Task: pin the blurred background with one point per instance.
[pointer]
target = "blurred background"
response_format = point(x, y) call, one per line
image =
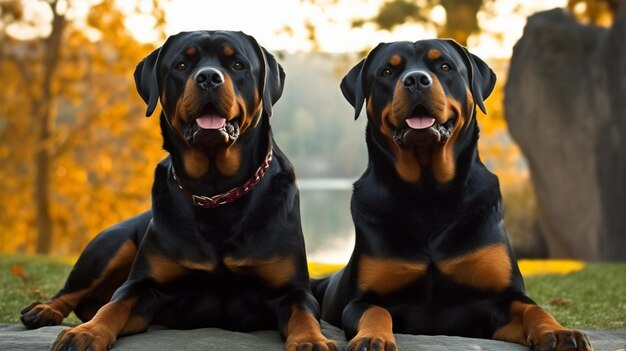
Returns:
point(78, 155)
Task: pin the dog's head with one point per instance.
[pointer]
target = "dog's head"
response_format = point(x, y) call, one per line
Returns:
point(213, 86)
point(420, 97)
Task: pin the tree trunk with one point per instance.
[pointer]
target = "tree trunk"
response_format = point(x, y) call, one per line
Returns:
point(45, 117)
point(461, 21)
point(564, 101)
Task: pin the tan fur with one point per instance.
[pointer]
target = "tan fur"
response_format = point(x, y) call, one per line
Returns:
point(488, 268)
point(443, 155)
point(375, 323)
point(164, 270)
point(385, 275)
point(275, 271)
point(433, 54)
point(303, 328)
point(395, 60)
point(528, 324)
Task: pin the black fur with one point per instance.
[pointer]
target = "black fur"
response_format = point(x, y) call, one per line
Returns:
point(198, 267)
point(423, 223)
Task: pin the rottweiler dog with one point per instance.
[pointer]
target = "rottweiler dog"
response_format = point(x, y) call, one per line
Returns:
point(222, 245)
point(431, 253)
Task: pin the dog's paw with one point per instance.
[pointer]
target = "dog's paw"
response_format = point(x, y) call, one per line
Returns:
point(559, 340)
point(371, 344)
point(82, 338)
point(37, 315)
point(318, 344)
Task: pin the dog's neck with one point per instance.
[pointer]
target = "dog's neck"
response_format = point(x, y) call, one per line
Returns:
point(226, 167)
point(382, 162)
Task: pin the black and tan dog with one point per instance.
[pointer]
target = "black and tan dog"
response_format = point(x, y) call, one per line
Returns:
point(222, 245)
point(431, 254)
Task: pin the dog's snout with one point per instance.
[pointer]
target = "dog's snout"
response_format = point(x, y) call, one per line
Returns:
point(209, 77)
point(417, 79)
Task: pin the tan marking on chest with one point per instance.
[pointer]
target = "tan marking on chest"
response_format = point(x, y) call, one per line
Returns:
point(488, 268)
point(164, 269)
point(275, 271)
point(384, 275)
point(198, 266)
point(228, 160)
point(195, 162)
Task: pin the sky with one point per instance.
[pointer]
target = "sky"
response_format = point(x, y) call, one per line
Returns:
point(502, 22)
point(265, 19)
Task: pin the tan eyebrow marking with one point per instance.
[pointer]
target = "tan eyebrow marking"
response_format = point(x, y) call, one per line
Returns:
point(191, 51)
point(395, 60)
point(434, 54)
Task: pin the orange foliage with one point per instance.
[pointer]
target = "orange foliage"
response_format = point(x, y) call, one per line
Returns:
point(501, 155)
point(104, 150)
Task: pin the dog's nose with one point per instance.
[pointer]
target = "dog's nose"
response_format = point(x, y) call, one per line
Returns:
point(208, 77)
point(417, 79)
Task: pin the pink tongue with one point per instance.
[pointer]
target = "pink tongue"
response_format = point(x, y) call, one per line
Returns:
point(210, 122)
point(420, 122)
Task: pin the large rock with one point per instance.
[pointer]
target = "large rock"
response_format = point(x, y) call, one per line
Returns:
point(565, 102)
point(16, 338)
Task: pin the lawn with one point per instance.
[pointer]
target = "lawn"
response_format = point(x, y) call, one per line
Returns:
point(593, 297)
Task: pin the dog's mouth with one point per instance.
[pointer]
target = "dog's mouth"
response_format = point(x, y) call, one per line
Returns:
point(211, 127)
point(420, 127)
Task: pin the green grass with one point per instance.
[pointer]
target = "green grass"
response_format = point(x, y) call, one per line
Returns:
point(594, 298)
point(45, 277)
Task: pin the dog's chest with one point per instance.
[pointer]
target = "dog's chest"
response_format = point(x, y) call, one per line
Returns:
point(485, 269)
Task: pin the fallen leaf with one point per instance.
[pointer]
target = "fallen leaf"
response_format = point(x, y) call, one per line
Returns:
point(559, 302)
point(18, 271)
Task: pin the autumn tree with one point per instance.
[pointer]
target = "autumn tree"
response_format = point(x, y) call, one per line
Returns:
point(73, 140)
point(461, 16)
point(460, 23)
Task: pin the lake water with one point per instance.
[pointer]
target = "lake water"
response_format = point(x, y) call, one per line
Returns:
point(326, 219)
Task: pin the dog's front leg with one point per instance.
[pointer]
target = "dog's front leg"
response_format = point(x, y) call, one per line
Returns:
point(113, 319)
point(369, 326)
point(532, 326)
point(298, 321)
point(131, 308)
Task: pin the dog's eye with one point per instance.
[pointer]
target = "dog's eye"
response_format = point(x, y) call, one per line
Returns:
point(238, 66)
point(386, 73)
point(445, 67)
point(181, 66)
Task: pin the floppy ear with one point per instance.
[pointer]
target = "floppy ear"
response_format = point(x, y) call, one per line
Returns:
point(353, 84)
point(273, 76)
point(274, 82)
point(482, 78)
point(352, 88)
point(147, 82)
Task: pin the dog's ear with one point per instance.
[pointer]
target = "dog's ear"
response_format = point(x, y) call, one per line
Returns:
point(146, 80)
point(353, 84)
point(482, 78)
point(352, 88)
point(147, 74)
point(274, 82)
point(273, 76)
